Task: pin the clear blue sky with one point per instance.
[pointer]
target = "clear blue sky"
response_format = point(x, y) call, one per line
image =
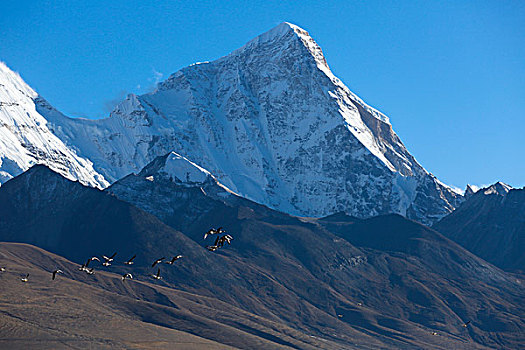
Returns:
point(449, 74)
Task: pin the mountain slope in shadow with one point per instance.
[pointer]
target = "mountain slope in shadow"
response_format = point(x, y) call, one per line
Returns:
point(385, 282)
point(102, 311)
point(397, 267)
point(491, 224)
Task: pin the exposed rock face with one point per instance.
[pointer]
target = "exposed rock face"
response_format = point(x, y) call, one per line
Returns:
point(491, 224)
point(469, 191)
point(26, 137)
point(273, 124)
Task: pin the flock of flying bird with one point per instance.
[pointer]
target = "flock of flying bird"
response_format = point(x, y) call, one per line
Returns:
point(219, 243)
point(220, 240)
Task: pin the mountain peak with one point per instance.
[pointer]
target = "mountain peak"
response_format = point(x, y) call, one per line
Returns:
point(282, 31)
point(498, 188)
point(469, 191)
point(281, 35)
point(180, 170)
point(271, 122)
point(176, 168)
point(11, 81)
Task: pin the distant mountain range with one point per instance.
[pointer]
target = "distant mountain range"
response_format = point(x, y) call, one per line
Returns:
point(385, 282)
point(270, 121)
point(491, 224)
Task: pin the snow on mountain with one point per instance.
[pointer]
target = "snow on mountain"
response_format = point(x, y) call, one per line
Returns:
point(273, 124)
point(498, 188)
point(176, 168)
point(469, 191)
point(26, 139)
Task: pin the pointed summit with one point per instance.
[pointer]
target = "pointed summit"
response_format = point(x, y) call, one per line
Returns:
point(285, 38)
point(469, 191)
point(13, 85)
point(281, 31)
point(179, 169)
point(499, 188)
point(176, 168)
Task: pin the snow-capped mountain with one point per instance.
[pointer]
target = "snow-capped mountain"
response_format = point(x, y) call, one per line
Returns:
point(168, 180)
point(169, 184)
point(176, 168)
point(273, 124)
point(26, 138)
point(498, 188)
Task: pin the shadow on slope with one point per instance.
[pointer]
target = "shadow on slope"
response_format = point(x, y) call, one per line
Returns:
point(409, 279)
point(104, 312)
point(386, 282)
point(491, 224)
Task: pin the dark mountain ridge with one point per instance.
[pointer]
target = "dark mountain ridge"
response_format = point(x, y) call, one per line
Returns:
point(375, 244)
point(385, 282)
point(491, 224)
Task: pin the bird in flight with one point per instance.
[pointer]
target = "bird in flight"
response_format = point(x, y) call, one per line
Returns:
point(2, 269)
point(127, 275)
point(130, 261)
point(93, 258)
point(157, 276)
point(25, 279)
point(213, 231)
point(219, 242)
point(108, 261)
point(212, 248)
point(55, 273)
point(85, 267)
point(175, 258)
point(157, 261)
